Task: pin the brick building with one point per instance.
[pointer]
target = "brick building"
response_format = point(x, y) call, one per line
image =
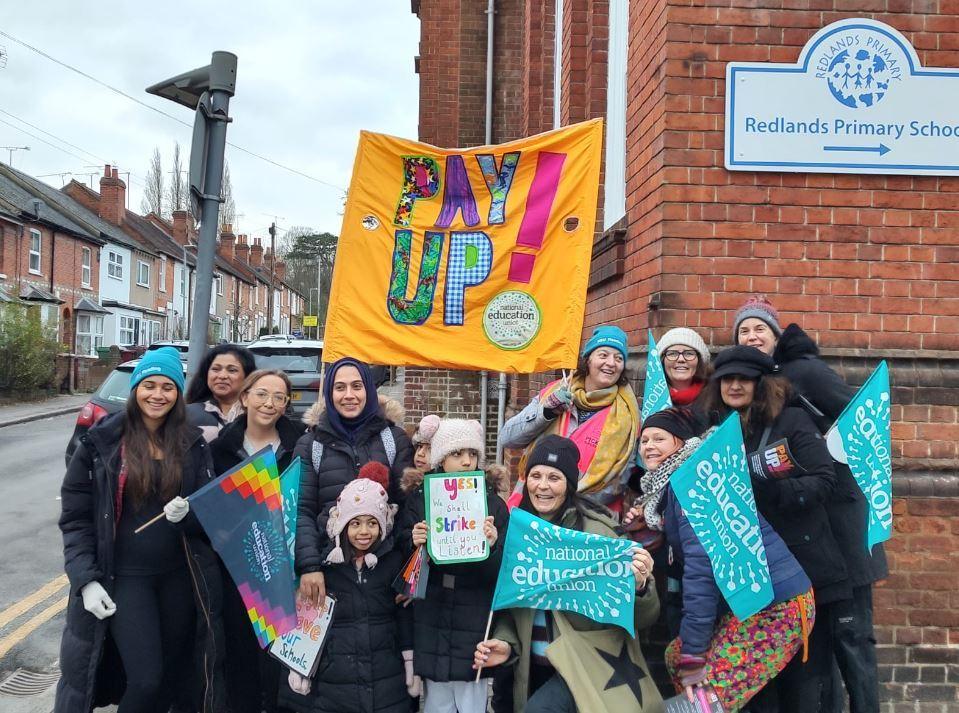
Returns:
point(864, 263)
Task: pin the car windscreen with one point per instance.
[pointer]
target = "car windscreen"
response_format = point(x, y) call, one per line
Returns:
point(289, 360)
point(116, 387)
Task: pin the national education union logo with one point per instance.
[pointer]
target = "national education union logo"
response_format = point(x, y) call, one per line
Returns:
point(859, 64)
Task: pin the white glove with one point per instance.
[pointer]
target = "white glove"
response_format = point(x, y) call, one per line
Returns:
point(176, 509)
point(414, 684)
point(299, 684)
point(97, 601)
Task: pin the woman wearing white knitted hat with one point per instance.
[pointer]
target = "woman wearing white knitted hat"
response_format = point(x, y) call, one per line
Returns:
point(452, 617)
point(685, 357)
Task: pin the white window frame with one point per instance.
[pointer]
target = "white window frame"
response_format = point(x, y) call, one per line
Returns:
point(35, 253)
point(131, 329)
point(219, 284)
point(614, 182)
point(92, 336)
point(114, 265)
point(140, 265)
point(256, 295)
point(162, 276)
point(86, 267)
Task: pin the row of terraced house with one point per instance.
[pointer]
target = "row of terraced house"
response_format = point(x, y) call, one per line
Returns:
point(103, 275)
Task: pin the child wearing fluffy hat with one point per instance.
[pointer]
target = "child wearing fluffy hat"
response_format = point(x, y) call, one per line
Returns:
point(366, 662)
point(451, 618)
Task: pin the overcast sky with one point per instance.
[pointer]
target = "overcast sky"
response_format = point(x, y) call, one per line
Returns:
point(311, 75)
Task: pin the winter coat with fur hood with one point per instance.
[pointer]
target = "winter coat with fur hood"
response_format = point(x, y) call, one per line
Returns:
point(340, 463)
point(451, 620)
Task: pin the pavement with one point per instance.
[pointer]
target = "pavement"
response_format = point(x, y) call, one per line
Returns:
point(11, 415)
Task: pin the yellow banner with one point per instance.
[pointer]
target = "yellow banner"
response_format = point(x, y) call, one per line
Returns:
point(467, 258)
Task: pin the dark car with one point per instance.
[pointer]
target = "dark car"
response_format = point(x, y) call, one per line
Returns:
point(301, 359)
point(110, 397)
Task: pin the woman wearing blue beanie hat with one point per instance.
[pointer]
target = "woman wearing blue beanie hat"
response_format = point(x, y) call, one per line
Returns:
point(142, 590)
point(596, 408)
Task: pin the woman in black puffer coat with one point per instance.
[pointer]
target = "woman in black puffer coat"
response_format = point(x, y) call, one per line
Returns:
point(101, 506)
point(793, 478)
point(825, 396)
point(350, 430)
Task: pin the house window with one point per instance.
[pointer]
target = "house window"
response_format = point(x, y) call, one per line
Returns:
point(128, 330)
point(614, 203)
point(219, 285)
point(115, 265)
point(143, 273)
point(162, 277)
point(86, 258)
point(182, 271)
point(35, 244)
point(89, 334)
point(256, 295)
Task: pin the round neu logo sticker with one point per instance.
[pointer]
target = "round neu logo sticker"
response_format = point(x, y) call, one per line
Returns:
point(512, 319)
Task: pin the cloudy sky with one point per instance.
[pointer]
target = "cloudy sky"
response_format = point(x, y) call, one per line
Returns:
point(311, 75)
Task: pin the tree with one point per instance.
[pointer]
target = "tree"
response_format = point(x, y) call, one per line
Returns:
point(153, 193)
point(177, 193)
point(227, 207)
point(305, 252)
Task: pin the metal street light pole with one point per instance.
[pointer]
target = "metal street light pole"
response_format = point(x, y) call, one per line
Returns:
point(207, 90)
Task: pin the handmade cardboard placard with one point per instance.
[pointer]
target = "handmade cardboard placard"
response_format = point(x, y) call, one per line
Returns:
point(455, 510)
point(300, 649)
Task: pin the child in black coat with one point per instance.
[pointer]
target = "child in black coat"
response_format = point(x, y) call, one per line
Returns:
point(362, 667)
point(452, 618)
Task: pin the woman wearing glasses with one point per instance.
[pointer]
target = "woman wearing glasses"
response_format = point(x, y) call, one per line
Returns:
point(252, 676)
point(685, 357)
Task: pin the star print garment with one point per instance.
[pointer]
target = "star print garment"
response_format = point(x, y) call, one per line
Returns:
point(743, 656)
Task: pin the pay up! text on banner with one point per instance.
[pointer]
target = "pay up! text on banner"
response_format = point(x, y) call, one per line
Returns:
point(467, 258)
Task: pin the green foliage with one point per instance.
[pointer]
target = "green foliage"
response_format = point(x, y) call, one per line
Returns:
point(28, 351)
point(307, 252)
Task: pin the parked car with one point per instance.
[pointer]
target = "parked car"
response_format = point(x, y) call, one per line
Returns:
point(301, 359)
point(180, 345)
point(110, 397)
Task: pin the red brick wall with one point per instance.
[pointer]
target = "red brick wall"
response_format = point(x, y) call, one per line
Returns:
point(859, 261)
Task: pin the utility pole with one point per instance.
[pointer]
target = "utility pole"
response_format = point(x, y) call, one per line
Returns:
point(269, 300)
point(207, 90)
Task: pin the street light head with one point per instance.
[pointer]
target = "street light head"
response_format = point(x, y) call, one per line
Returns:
point(187, 88)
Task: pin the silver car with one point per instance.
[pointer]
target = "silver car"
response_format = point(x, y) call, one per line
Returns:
point(301, 359)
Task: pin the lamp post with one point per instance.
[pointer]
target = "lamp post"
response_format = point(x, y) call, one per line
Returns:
point(207, 90)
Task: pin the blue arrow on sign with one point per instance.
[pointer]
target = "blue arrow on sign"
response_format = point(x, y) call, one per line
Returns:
point(881, 149)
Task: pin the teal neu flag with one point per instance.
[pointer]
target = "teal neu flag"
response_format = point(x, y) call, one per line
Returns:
point(860, 437)
point(290, 492)
point(714, 490)
point(558, 569)
point(656, 390)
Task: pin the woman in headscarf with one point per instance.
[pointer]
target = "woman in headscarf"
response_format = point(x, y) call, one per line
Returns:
point(348, 430)
point(596, 409)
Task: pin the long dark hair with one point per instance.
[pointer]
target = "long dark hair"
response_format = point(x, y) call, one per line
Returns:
point(769, 400)
point(169, 439)
point(198, 390)
point(582, 369)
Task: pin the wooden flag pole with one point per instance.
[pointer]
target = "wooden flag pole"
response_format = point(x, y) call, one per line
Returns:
point(489, 624)
point(153, 520)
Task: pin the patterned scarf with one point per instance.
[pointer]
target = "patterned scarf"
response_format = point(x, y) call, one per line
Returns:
point(617, 439)
point(654, 482)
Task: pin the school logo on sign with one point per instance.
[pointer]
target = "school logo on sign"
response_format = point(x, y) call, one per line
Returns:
point(860, 66)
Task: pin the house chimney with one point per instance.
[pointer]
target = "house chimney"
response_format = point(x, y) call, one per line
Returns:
point(242, 250)
point(182, 227)
point(113, 196)
point(227, 242)
point(256, 253)
point(280, 270)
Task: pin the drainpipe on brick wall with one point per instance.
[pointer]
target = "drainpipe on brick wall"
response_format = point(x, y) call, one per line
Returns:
point(484, 379)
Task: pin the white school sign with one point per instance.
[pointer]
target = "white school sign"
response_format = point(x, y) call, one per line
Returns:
point(857, 101)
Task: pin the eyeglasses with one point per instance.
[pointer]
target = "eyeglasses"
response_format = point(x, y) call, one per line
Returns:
point(686, 354)
point(262, 396)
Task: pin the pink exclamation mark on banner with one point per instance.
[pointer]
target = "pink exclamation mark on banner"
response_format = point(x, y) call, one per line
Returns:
point(539, 205)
